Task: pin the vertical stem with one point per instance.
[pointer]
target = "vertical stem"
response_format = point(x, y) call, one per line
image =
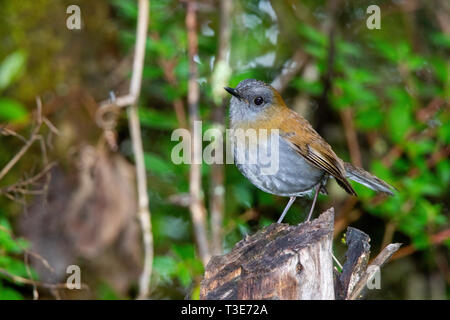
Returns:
point(217, 170)
point(136, 138)
point(197, 208)
point(351, 136)
point(217, 197)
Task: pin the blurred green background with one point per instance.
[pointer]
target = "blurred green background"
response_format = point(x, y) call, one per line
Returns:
point(379, 97)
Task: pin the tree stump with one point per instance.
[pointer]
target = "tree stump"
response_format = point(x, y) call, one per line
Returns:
point(291, 263)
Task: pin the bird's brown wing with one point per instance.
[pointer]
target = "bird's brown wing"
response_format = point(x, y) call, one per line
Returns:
point(310, 145)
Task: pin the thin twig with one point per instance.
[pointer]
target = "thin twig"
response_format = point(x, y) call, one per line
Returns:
point(130, 101)
point(8, 132)
point(217, 189)
point(356, 158)
point(135, 131)
point(27, 266)
point(52, 127)
point(16, 187)
point(18, 155)
point(121, 102)
point(351, 136)
point(374, 267)
point(290, 70)
point(22, 280)
point(33, 137)
point(389, 232)
point(423, 115)
point(197, 208)
point(435, 239)
point(168, 67)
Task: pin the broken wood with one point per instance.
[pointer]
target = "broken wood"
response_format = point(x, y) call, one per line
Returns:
point(286, 262)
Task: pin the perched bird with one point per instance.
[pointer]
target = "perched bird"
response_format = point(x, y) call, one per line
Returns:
point(305, 161)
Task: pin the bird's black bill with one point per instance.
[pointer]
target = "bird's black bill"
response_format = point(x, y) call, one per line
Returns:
point(233, 92)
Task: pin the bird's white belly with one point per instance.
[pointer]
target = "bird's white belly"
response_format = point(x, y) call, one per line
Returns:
point(282, 171)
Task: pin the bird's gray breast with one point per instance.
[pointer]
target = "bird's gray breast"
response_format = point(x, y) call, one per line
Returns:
point(275, 167)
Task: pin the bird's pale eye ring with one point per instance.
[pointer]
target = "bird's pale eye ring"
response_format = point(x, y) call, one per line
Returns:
point(258, 101)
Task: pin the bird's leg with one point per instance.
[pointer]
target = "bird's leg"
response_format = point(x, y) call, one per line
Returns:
point(314, 202)
point(291, 201)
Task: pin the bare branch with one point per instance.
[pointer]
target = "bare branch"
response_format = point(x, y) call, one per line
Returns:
point(197, 208)
point(121, 102)
point(410, 249)
point(168, 67)
point(374, 267)
point(135, 131)
point(351, 136)
point(130, 101)
point(8, 132)
point(290, 70)
point(22, 280)
point(33, 137)
point(221, 75)
point(27, 266)
point(18, 156)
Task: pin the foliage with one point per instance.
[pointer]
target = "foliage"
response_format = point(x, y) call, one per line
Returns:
point(10, 69)
point(383, 80)
point(11, 111)
point(388, 79)
point(11, 261)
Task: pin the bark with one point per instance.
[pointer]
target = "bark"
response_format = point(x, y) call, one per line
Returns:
point(284, 262)
point(278, 262)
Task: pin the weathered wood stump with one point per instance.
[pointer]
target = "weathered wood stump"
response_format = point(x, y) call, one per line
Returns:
point(292, 262)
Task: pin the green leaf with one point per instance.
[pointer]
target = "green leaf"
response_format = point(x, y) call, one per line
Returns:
point(361, 75)
point(165, 267)
point(416, 62)
point(421, 241)
point(7, 243)
point(243, 195)
point(313, 35)
point(184, 274)
point(387, 50)
point(157, 119)
point(369, 118)
point(313, 88)
point(315, 50)
point(440, 40)
point(440, 68)
point(151, 72)
point(9, 294)
point(126, 8)
point(195, 293)
point(243, 228)
point(12, 111)
point(155, 164)
point(399, 117)
point(348, 49)
point(380, 170)
point(11, 68)
point(14, 266)
point(420, 148)
point(443, 169)
point(106, 292)
point(185, 251)
point(444, 132)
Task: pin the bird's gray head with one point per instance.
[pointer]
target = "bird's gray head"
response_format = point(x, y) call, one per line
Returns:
point(249, 99)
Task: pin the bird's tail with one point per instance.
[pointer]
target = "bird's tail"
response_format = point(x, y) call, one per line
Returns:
point(367, 179)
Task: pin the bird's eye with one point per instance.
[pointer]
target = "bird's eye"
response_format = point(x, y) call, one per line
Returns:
point(258, 100)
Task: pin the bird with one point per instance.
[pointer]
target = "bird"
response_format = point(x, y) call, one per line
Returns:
point(305, 161)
